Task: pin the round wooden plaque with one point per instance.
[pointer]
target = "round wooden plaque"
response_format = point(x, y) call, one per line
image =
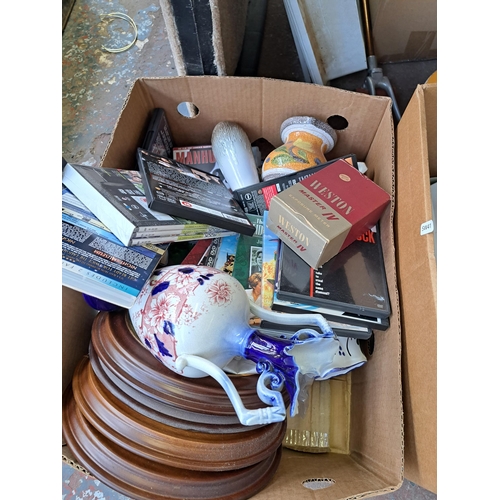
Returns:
point(122, 353)
point(166, 444)
point(145, 479)
point(160, 411)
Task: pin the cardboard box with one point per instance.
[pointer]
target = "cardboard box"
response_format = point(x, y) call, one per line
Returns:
point(76, 324)
point(417, 278)
point(404, 30)
point(374, 464)
point(324, 213)
point(206, 38)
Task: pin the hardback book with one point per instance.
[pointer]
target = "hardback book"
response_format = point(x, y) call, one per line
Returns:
point(184, 191)
point(323, 214)
point(117, 198)
point(255, 199)
point(354, 281)
point(158, 138)
point(248, 260)
point(96, 263)
point(270, 250)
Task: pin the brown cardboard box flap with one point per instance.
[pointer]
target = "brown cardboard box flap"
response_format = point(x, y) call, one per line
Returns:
point(417, 280)
point(404, 30)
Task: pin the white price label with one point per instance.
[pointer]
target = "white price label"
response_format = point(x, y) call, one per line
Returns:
point(427, 227)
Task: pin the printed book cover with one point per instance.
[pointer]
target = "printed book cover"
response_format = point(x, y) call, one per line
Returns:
point(221, 254)
point(353, 281)
point(118, 200)
point(96, 263)
point(248, 260)
point(255, 199)
point(185, 191)
point(270, 249)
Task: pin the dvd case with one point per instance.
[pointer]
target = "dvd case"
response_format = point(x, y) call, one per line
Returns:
point(184, 191)
point(158, 138)
point(354, 281)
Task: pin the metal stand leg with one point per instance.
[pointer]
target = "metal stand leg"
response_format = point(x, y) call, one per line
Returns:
point(377, 80)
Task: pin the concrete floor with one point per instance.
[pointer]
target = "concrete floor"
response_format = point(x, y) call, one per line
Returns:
point(96, 83)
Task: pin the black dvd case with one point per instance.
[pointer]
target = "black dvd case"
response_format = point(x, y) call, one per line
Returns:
point(255, 199)
point(354, 281)
point(180, 190)
point(158, 139)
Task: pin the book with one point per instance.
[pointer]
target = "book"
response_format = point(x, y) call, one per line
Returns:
point(270, 249)
point(199, 250)
point(96, 263)
point(117, 199)
point(221, 254)
point(328, 37)
point(354, 281)
point(248, 260)
point(184, 191)
point(255, 199)
point(158, 138)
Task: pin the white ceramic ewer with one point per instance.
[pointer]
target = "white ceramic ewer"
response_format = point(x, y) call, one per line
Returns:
point(195, 320)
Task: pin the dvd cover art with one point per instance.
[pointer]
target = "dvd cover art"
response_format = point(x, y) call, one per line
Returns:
point(184, 191)
point(354, 280)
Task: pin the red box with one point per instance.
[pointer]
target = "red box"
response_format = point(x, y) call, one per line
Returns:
point(324, 213)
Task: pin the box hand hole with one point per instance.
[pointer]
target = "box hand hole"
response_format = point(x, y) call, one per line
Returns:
point(188, 109)
point(337, 122)
point(318, 483)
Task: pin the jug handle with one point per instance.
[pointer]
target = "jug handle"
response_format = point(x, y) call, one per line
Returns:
point(292, 319)
point(261, 416)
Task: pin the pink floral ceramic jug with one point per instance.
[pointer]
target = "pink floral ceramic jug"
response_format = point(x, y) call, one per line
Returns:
point(195, 320)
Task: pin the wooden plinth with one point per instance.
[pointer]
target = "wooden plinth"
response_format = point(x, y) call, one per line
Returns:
point(145, 479)
point(154, 435)
point(166, 444)
point(124, 356)
point(160, 411)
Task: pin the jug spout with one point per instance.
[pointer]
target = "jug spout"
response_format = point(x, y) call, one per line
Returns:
point(299, 360)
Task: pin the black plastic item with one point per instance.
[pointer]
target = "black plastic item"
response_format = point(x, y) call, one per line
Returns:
point(252, 42)
point(193, 19)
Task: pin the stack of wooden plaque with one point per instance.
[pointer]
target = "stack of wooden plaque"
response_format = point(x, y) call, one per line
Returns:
point(152, 434)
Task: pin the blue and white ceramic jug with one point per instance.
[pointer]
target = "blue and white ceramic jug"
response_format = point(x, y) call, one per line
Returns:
point(195, 320)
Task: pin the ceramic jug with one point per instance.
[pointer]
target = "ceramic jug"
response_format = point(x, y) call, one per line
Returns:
point(306, 140)
point(195, 320)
